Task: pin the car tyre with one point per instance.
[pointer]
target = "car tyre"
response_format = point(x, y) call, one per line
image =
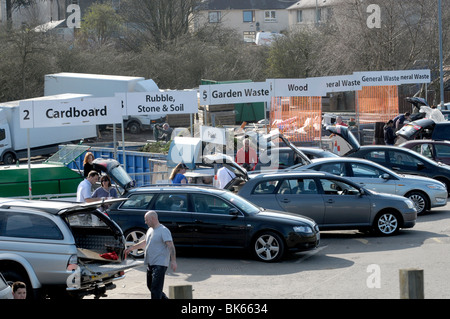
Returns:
point(387, 223)
point(133, 237)
point(420, 200)
point(268, 247)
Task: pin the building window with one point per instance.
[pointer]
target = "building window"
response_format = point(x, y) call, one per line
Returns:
point(319, 15)
point(249, 16)
point(214, 16)
point(249, 36)
point(270, 16)
point(299, 16)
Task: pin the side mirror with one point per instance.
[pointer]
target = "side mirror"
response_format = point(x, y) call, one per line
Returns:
point(420, 165)
point(385, 176)
point(233, 212)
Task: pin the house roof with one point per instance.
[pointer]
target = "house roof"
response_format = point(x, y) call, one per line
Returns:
point(246, 4)
point(304, 4)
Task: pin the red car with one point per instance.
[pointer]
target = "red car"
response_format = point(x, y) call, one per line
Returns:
point(438, 151)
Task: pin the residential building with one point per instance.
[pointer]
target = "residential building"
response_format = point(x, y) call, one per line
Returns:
point(311, 12)
point(247, 17)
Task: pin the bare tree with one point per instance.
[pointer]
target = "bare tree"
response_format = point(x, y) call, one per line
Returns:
point(156, 21)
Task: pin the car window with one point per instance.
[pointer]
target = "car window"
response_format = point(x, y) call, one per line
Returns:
point(298, 186)
point(205, 203)
point(442, 150)
point(138, 201)
point(172, 202)
point(400, 158)
point(336, 187)
point(364, 170)
point(376, 156)
point(85, 220)
point(333, 168)
point(28, 226)
point(266, 187)
point(424, 149)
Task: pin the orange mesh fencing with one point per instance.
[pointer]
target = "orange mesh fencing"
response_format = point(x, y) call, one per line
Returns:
point(377, 103)
point(299, 118)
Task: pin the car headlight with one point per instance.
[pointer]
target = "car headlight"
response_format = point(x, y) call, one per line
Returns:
point(303, 229)
point(436, 186)
point(409, 203)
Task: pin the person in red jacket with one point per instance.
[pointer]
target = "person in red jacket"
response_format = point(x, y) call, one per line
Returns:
point(246, 156)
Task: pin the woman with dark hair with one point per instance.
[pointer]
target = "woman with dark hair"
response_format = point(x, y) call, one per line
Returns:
point(389, 136)
point(105, 191)
point(177, 175)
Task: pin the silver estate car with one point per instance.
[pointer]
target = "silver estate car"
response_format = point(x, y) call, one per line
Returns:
point(425, 192)
point(61, 249)
point(332, 201)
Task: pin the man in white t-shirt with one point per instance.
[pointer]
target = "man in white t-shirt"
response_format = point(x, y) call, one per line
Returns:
point(84, 190)
point(224, 176)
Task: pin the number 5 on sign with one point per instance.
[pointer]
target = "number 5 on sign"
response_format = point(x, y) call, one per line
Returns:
point(26, 114)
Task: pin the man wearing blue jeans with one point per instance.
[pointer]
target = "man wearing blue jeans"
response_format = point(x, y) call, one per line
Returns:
point(159, 252)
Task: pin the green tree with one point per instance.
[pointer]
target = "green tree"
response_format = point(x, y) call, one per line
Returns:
point(101, 23)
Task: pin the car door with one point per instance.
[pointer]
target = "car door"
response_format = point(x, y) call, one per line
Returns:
point(216, 222)
point(173, 212)
point(301, 196)
point(406, 163)
point(442, 153)
point(344, 204)
point(372, 177)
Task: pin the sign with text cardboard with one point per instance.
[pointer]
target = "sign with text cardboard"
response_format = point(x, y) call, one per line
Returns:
point(73, 112)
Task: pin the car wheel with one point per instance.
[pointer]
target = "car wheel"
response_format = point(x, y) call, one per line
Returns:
point(268, 246)
point(386, 223)
point(420, 201)
point(132, 237)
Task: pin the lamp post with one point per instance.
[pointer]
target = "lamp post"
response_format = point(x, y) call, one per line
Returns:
point(441, 71)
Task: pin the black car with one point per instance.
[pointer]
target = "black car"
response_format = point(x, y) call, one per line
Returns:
point(425, 129)
point(399, 159)
point(201, 216)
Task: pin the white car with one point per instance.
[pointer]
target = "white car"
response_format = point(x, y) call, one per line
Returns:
point(425, 192)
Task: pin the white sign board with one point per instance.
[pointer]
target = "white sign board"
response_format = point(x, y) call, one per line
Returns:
point(210, 134)
point(297, 87)
point(84, 111)
point(394, 77)
point(248, 92)
point(339, 83)
point(159, 103)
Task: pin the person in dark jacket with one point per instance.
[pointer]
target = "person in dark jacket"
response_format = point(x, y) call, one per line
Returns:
point(389, 136)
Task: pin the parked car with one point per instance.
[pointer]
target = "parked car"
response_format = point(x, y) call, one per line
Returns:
point(5, 289)
point(58, 248)
point(332, 201)
point(200, 216)
point(426, 193)
point(399, 159)
point(425, 129)
point(438, 151)
point(288, 156)
point(316, 152)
